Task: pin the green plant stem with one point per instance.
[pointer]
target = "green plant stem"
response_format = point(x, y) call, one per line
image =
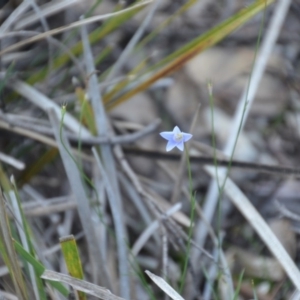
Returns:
point(84, 177)
point(192, 217)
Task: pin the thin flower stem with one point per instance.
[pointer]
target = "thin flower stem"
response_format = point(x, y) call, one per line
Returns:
point(192, 217)
point(213, 135)
point(85, 178)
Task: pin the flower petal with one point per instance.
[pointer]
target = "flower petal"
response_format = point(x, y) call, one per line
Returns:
point(176, 130)
point(180, 146)
point(168, 135)
point(175, 138)
point(171, 144)
point(187, 136)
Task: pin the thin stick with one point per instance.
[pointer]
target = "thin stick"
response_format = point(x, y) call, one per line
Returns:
point(11, 123)
point(209, 160)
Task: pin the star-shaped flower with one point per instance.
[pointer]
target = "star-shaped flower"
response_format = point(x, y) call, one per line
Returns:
point(175, 138)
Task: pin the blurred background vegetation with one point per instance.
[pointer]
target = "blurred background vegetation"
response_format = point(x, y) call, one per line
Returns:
point(90, 198)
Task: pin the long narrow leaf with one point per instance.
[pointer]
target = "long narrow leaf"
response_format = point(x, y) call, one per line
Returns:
point(72, 259)
point(81, 285)
point(164, 286)
point(25, 237)
point(10, 254)
point(39, 268)
point(94, 37)
point(187, 52)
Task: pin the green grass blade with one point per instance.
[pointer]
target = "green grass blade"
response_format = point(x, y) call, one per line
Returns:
point(177, 59)
point(4, 181)
point(33, 169)
point(9, 252)
point(165, 23)
point(25, 237)
point(236, 294)
point(39, 268)
point(72, 259)
point(8, 74)
point(92, 9)
point(103, 54)
point(219, 32)
point(86, 111)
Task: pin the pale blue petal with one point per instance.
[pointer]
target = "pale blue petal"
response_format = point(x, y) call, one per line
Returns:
point(176, 130)
point(187, 136)
point(180, 146)
point(168, 135)
point(171, 144)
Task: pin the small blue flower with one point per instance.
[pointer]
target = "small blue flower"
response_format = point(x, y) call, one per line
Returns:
point(175, 138)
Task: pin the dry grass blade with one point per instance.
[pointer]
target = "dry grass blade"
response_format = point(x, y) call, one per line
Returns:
point(243, 110)
point(46, 28)
point(164, 286)
point(12, 259)
point(44, 35)
point(105, 176)
point(33, 133)
point(84, 210)
point(130, 47)
point(7, 296)
point(134, 196)
point(15, 15)
point(261, 227)
point(22, 233)
point(116, 209)
point(109, 169)
point(12, 161)
point(11, 123)
point(295, 295)
point(46, 10)
point(155, 199)
point(28, 133)
point(152, 228)
point(81, 285)
point(208, 40)
point(50, 209)
point(286, 213)
point(53, 41)
point(43, 102)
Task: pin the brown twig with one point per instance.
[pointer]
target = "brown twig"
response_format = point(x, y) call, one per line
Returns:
point(208, 160)
point(31, 130)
